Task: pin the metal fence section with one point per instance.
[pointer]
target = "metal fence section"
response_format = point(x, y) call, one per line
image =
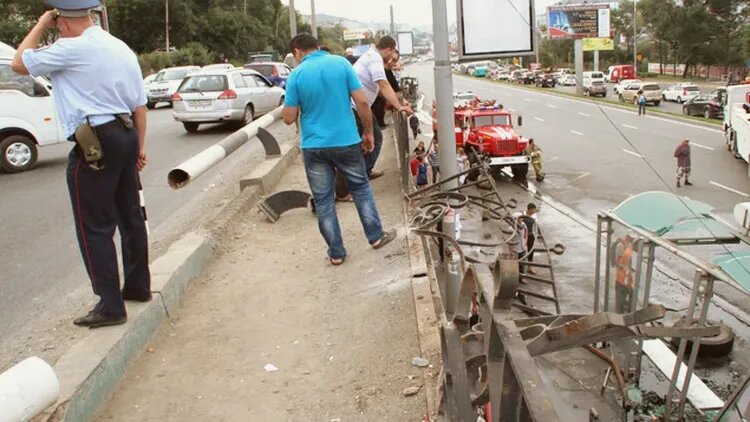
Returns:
point(401, 128)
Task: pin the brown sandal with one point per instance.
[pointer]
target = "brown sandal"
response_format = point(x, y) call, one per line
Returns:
point(386, 239)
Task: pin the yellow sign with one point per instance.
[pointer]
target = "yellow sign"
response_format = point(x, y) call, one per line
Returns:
point(598, 44)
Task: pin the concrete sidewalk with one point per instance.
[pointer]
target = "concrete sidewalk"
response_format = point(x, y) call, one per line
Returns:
point(342, 338)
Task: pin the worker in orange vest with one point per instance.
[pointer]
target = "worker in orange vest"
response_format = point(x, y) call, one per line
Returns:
point(624, 275)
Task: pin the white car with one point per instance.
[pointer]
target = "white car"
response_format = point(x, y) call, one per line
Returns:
point(680, 93)
point(166, 83)
point(567, 80)
point(27, 116)
point(238, 95)
point(623, 83)
point(218, 66)
point(463, 98)
point(147, 82)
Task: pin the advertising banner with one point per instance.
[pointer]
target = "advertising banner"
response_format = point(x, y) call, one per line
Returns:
point(357, 35)
point(405, 41)
point(490, 29)
point(584, 21)
point(598, 44)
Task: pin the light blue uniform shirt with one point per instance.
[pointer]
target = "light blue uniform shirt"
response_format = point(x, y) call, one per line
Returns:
point(321, 86)
point(95, 75)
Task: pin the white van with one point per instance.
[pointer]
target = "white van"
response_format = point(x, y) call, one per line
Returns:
point(589, 77)
point(27, 116)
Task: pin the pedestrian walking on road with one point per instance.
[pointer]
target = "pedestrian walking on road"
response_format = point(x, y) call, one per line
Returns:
point(682, 154)
point(535, 154)
point(370, 70)
point(462, 163)
point(414, 124)
point(641, 103)
point(322, 88)
point(101, 103)
point(420, 149)
point(434, 159)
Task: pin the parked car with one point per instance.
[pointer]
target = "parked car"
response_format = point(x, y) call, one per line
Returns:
point(479, 71)
point(528, 78)
point(680, 93)
point(238, 95)
point(499, 75)
point(623, 83)
point(651, 91)
point(545, 80)
point(595, 88)
point(619, 72)
point(516, 76)
point(706, 105)
point(568, 80)
point(166, 83)
point(277, 73)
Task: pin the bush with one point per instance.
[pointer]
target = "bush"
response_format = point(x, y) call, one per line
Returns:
point(649, 74)
point(191, 54)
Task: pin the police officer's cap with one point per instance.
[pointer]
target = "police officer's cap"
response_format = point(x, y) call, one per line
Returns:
point(74, 8)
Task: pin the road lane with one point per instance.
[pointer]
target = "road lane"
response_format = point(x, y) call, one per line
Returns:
point(607, 131)
point(42, 280)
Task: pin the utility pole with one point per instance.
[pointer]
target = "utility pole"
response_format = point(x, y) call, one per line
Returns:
point(244, 7)
point(313, 20)
point(166, 24)
point(393, 25)
point(446, 135)
point(292, 19)
point(635, 38)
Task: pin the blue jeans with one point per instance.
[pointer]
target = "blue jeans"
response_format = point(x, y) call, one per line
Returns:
point(372, 157)
point(320, 166)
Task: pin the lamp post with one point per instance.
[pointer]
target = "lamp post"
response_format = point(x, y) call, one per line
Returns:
point(166, 24)
point(313, 20)
point(292, 19)
point(635, 37)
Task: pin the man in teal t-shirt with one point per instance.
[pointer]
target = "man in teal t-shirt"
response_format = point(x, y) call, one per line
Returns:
point(320, 90)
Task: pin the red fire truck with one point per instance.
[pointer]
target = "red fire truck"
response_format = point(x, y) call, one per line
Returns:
point(485, 131)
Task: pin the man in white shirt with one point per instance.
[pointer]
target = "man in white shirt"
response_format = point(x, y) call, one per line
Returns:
point(370, 69)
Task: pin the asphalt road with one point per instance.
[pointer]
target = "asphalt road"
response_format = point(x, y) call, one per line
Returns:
point(42, 280)
point(668, 106)
point(609, 153)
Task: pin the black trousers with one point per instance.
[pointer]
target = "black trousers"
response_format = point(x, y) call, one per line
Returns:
point(531, 241)
point(102, 201)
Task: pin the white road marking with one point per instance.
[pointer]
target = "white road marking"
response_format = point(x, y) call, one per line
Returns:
point(576, 132)
point(584, 114)
point(528, 100)
point(629, 127)
point(730, 189)
point(512, 110)
point(632, 153)
point(701, 146)
point(553, 159)
point(581, 176)
point(551, 106)
point(538, 119)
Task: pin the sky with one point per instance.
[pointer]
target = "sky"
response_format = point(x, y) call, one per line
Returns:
point(412, 12)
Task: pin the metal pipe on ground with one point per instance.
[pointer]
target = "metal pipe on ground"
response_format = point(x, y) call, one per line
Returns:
point(183, 174)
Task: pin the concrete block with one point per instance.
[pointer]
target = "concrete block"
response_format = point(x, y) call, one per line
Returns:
point(270, 171)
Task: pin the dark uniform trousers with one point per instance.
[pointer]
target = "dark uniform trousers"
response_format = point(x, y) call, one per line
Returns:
point(105, 199)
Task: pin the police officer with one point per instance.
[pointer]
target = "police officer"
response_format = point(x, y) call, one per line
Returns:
point(97, 82)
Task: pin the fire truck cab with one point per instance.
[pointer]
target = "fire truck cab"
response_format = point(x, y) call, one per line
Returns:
point(485, 131)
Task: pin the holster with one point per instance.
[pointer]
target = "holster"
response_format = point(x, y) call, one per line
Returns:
point(89, 145)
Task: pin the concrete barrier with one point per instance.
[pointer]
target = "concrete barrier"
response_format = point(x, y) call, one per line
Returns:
point(26, 389)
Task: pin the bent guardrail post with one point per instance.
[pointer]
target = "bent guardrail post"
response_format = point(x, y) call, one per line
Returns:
point(183, 174)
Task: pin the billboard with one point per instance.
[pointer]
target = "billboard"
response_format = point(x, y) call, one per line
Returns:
point(357, 35)
point(489, 29)
point(598, 44)
point(582, 21)
point(405, 42)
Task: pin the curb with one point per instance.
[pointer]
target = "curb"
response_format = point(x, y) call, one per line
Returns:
point(90, 371)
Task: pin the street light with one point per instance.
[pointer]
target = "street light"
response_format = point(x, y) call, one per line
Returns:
point(166, 24)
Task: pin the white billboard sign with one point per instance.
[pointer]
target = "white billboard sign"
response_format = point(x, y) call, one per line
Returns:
point(405, 42)
point(490, 29)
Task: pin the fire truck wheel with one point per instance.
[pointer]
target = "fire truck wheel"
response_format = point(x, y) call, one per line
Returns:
point(710, 347)
point(520, 171)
